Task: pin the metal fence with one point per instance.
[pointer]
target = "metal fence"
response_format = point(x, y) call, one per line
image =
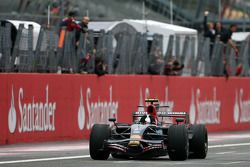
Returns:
point(123, 53)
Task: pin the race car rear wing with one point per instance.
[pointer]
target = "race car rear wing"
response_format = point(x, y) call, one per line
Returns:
point(155, 106)
point(151, 100)
point(184, 115)
point(172, 114)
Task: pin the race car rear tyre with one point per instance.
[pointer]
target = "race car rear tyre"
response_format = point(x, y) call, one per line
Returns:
point(178, 144)
point(99, 133)
point(199, 142)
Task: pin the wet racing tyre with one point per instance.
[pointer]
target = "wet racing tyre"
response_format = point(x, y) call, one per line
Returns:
point(99, 133)
point(199, 142)
point(178, 144)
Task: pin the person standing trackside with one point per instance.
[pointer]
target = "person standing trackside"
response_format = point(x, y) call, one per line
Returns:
point(70, 22)
point(84, 24)
point(209, 32)
point(84, 28)
point(225, 37)
point(85, 55)
point(218, 29)
point(209, 29)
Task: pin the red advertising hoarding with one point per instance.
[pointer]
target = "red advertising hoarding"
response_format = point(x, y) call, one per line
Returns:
point(47, 107)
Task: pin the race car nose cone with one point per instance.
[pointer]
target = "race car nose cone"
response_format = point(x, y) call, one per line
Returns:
point(134, 143)
point(135, 147)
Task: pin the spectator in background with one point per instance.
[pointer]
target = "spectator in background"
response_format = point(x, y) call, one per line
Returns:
point(209, 29)
point(55, 8)
point(226, 38)
point(226, 35)
point(173, 67)
point(70, 22)
point(156, 66)
point(84, 24)
point(100, 66)
point(209, 32)
point(156, 62)
point(84, 31)
point(218, 29)
point(83, 65)
point(84, 28)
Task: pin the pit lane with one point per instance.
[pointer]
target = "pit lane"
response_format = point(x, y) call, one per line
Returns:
point(225, 149)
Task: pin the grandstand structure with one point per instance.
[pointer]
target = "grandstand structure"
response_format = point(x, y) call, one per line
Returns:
point(125, 47)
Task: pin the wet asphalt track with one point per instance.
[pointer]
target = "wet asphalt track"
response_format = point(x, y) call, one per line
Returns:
point(225, 149)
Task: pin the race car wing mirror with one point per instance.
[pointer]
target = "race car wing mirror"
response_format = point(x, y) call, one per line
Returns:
point(112, 120)
point(179, 120)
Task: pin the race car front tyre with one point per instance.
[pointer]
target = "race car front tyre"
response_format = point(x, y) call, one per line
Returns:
point(178, 144)
point(99, 133)
point(199, 142)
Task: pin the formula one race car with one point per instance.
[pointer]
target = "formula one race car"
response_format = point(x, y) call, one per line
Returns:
point(150, 136)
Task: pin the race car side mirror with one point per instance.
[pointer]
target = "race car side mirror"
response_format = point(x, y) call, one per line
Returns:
point(112, 120)
point(178, 120)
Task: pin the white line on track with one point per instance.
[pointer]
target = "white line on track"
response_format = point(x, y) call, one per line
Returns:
point(230, 163)
point(221, 137)
point(44, 159)
point(245, 153)
point(87, 156)
point(229, 145)
point(228, 152)
point(46, 148)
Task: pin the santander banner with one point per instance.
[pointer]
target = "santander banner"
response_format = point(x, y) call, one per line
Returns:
point(47, 107)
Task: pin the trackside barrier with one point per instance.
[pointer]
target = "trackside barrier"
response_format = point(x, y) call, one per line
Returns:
point(124, 53)
point(48, 107)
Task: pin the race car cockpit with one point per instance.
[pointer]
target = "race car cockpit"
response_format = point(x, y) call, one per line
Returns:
point(151, 115)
